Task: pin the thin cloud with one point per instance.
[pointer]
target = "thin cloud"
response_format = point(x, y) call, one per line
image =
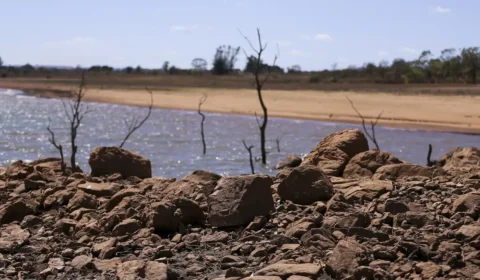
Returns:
point(184, 28)
point(318, 37)
point(441, 10)
point(323, 37)
point(383, 53)
point(409, 50)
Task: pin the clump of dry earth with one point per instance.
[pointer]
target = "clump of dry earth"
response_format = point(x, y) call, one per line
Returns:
point(346, 212)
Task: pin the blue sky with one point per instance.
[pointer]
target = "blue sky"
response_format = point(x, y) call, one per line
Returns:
point(312, 33)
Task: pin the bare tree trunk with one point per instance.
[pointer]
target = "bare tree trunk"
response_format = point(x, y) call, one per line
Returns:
point(200, 103)
point(259, 86)
point(249, 149)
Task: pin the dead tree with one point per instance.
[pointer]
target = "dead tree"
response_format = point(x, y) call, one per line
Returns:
point(75, 112)
point(135, 123)
point(278, 142)
point(200, 103)
point(259, 83)
point(371, 136)
point(249, 149)
point(57, 146)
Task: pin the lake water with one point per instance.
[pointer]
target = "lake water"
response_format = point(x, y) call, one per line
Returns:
point(171, 138)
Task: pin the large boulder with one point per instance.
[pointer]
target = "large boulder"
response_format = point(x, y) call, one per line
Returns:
point(404, 170)
point(18, 170)
point(111, 160)
point(333, 153)
point(237, 200)
point(365, 164)
point(306, 185)
point(460, 158)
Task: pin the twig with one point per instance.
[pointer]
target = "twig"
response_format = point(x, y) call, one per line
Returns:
point(57, 146)
point(200, 103)
point(249, 149)
point(372, 136)
point(135, 122)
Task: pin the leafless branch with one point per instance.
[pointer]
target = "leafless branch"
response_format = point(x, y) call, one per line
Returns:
point(200, 103)
point(249, 149)
point(57, 146)
point(372, 136)
point(258, 121)
point(278, 142)
point(135, 123)
point(431, 162)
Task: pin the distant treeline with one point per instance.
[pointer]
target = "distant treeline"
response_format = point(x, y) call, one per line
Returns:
point(452, 66)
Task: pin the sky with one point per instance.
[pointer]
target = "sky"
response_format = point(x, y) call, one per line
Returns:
point(314, 34)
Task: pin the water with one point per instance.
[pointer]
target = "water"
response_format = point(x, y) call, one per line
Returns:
point(171, 138)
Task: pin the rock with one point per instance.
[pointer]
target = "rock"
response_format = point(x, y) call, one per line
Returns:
point(257, 223)
point(284, 270)
point(261, 278)
point(428, 270)
point(460, 158)
point(16, 211)
point(157, 271)
point(365, 164)
point(238, 200)
point(30, 221)
point(131, 270)
point(318, 238)
point(117, 197)
point(192, 213)
point(43, 164)
point(56, 263)
point(306, 185)
point(217, 237)
point(12, 236)
point(364, 189)
point(467, 202)
point(344, 259)
point(111, 160)
point(163, 217)
point(82, 200)
point(82, 261)
point(401, 171)
point(299, 228)
point(18, 170)
point(395, 207)
point(333, 153)
point(469, 231)
point(289, 162)
point(127, 226)
point(65, 225)
point(106, 265)
point(199, 182)
point(100, 189)
point(103, 249)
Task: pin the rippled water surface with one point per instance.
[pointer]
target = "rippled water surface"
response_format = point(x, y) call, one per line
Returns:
point(171, 139)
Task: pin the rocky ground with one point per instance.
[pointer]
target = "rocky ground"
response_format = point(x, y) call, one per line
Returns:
point(346, 212)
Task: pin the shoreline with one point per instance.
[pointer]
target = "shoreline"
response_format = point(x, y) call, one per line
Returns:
point(301, 107)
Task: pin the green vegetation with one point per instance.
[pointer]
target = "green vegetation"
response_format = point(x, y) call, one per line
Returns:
point(450, 67)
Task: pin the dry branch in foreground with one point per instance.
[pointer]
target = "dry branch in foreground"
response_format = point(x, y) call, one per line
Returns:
point(200, 103)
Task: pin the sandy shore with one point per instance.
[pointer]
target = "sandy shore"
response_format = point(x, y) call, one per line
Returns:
point(449, 113)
